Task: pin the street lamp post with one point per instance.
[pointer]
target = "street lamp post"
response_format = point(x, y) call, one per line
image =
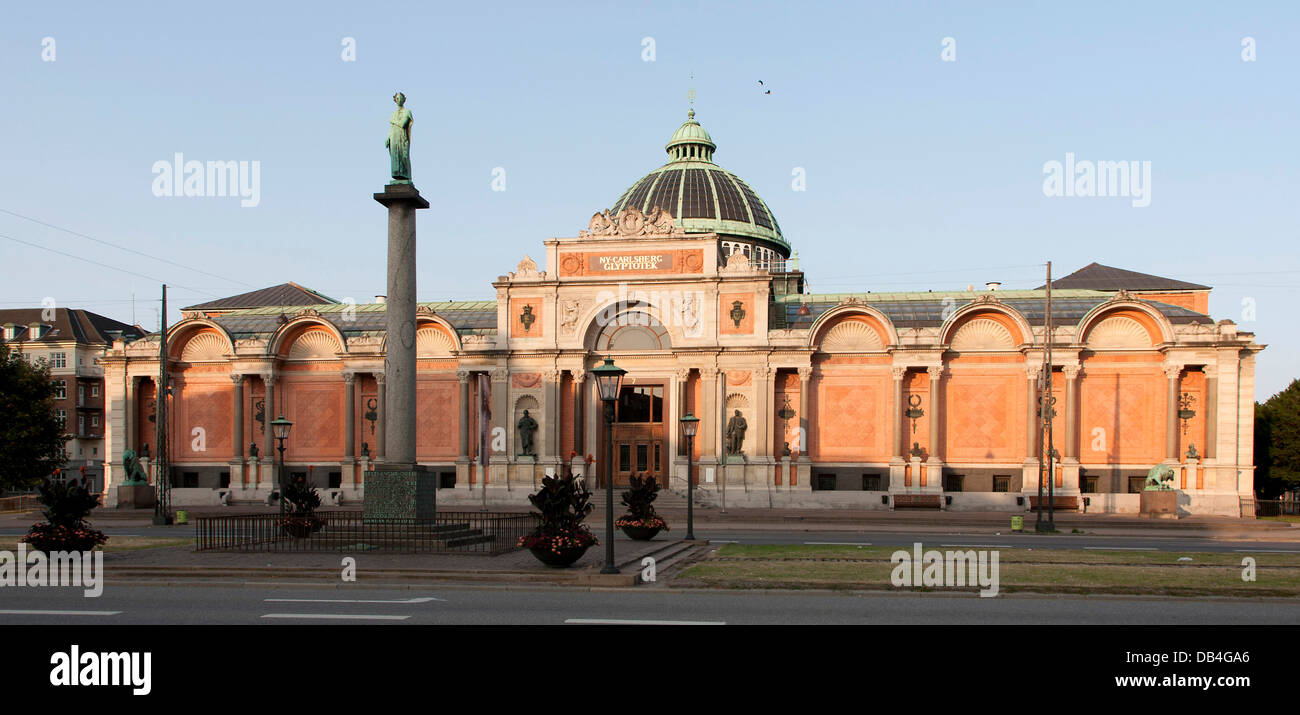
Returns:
point(280, 430)
point(609, 380)
point(690, 423)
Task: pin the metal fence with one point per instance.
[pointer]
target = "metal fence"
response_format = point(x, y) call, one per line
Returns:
point(22, 502)
point(348, 531)
point(1277, 507)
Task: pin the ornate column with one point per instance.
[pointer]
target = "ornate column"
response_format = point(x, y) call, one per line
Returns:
point(896, 448)
point(463, 412)
point(805, 417)
point(1032, 421)
point(720, 414)
point(381, 428)
point(462, 453)
point(551, 392)
point(764, 378)
point(237, 426)
point(266, 474)
point(1211, 412)
point(1071, 411)
point(579, 413)
point(936, 415)
point(1070, 460)
point(1171, 409)
point(502, 417)
point(709, 414)
point(349, 416)
point(681, 377)
point(237, 433)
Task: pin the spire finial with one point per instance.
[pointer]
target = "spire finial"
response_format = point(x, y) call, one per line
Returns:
point(690, 97)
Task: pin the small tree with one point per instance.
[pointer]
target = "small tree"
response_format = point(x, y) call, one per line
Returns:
point(1277, 442)
point(31, 436)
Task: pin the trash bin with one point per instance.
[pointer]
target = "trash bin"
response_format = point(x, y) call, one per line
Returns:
point(1017, 523)
point(182, 516)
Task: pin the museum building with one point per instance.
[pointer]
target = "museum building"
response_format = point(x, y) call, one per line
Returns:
point(862, 400)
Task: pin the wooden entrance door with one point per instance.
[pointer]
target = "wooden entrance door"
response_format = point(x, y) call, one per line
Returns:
point(639, 445)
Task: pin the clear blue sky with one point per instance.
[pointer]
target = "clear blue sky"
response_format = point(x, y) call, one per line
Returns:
point(920, 173)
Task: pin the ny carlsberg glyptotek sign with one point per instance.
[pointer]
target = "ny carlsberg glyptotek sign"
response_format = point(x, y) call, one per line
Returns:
point(631, 262)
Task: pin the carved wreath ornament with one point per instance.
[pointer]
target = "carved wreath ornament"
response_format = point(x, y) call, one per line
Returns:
point(632, 222)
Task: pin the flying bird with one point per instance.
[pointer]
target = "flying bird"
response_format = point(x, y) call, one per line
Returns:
point(761, 83)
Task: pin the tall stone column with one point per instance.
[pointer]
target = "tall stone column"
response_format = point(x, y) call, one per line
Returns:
point(805, 416)
point(936, 416)
point(502, 417)
point(462, 378)
point(764, 383)
point(1211, 412)
point(266, 471)
point(720, 414)
point(237, 423)
point(381, 426)
point(1171, 411)
point(681, 378)
point(1070, 461)
point(237, 432)
point(897, 447)
point(579, 412)
point(1032, 421)
point(551, 392)
point(463, 413)
point(709, 418)
point(400, 488)
point(349, 416)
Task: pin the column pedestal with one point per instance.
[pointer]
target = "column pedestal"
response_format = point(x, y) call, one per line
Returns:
point(400, 492)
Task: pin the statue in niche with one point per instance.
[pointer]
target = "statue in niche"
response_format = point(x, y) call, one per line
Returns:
point(527, 427)
point(736, 427)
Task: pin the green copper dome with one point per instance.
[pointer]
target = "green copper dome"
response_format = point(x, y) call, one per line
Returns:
point(702, 196)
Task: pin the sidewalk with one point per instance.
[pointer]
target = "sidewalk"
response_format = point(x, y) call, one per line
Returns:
point(800, 520)
point(182, 565)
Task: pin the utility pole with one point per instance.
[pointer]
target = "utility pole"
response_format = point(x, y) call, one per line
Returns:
point(162, 485)
point(1049, 412)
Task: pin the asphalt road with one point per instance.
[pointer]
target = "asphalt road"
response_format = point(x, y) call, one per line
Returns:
point(212, 605)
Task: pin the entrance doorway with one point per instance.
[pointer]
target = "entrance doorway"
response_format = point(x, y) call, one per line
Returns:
point(639, 433)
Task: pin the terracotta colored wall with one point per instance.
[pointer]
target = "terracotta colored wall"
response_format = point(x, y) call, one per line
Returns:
point(1197, 301)
point(852, 417)
point(437, 429)
point(1126, 402)
point(315, 405)
point(786, 386)
point(984, 420)
point(205, 403)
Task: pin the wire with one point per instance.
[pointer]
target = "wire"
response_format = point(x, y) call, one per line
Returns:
point(104, 265)
point(123, 248)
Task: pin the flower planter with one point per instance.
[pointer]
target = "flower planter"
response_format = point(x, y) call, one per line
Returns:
point(560, 559)
point(641, 533)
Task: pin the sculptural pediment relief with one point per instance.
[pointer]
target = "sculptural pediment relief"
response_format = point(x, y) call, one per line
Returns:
point(632, 222)
point(527, 270)
point(737, 263)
